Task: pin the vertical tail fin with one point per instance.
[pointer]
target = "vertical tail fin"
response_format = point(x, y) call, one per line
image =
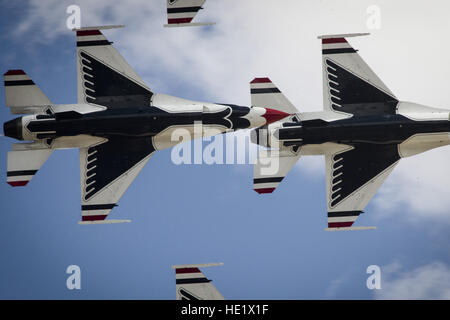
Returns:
point(22, 94)
point(191, 283)
point(23, 165)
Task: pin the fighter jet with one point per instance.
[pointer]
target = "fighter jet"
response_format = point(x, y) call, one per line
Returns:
point(118, 123)
point(363, 131)
point(191, 283)
point(180, 13)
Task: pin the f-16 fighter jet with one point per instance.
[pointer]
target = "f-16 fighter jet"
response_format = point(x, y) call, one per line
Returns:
point(118, 124)
point(181, 12)
point(363, 131)
point(191, 283)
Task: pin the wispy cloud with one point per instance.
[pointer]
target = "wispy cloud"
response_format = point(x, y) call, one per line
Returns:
point(430, 281)
point(418, 189)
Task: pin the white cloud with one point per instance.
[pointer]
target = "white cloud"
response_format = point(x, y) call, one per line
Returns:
point(263, 38)
point(419, 186)
point(431, 281)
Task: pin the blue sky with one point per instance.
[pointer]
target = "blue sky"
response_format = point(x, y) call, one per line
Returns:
point(273, 247)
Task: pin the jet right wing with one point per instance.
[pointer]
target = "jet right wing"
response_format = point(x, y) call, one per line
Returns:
point(107, 169)
point(353, 177)
point(180, 13)
point(349, 84)
point(191, 283)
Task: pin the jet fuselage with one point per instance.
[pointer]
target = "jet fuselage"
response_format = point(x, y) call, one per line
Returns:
point(384, 129)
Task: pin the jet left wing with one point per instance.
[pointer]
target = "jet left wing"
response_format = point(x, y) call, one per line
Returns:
point(192, 284)
point(349, 84)
point(353, 177)
point(104, 77)
point(106, 171)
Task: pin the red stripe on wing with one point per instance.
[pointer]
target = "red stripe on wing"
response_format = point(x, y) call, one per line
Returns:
point(187, 270)
point(17, 183)
point(333, 40)
point(179, 20)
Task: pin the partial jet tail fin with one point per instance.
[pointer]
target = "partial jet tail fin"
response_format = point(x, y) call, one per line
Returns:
point(23, 165)
point(22, 94)
point(265, 94)
point(191, 283)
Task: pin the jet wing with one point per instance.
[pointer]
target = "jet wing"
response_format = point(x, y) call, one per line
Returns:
point(104, 77)
point(192, 284)
point(106, 171)
point(353, 177)
point(349, 84)
point(180, 13)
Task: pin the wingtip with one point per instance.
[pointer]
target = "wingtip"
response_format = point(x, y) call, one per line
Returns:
point(14, 72)
point(261, 80)
point(99, 27)
point(343, 35)
point(350, 228)
point(18, 183)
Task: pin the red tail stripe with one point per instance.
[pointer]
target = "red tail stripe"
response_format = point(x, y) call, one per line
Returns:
point(187, 270)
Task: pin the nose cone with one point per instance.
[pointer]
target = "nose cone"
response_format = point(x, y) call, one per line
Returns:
point(272, 115)
point(13, 129)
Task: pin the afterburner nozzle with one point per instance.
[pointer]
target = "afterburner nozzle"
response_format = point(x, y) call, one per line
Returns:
point(13, 128)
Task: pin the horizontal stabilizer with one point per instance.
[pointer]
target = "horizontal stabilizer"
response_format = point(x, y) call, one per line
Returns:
point(270, 169)
point(23, 165)
point(22, 94)
point(265, 94)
